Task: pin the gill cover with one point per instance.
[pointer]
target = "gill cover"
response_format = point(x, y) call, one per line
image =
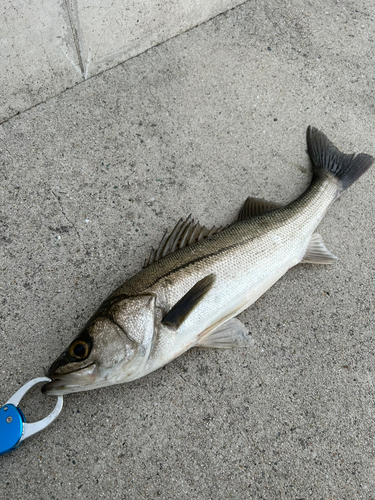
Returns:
point(113, 347)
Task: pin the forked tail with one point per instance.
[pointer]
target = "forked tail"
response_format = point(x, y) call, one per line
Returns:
point(327, 160)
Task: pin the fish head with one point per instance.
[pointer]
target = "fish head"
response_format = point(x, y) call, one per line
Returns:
point(112, 348)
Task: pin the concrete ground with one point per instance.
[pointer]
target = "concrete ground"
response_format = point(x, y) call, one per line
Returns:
point(93, 178)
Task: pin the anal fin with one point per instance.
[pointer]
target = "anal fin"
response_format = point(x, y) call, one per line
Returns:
point(232, 333)
point(317, 252)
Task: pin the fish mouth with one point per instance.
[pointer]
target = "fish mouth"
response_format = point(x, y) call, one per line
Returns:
point(59, 387)
point(75, 381)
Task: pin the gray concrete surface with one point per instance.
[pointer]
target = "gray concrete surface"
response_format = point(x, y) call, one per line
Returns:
point(38, 56)
point(111, 33)
point(91, 180)
point(49, 46)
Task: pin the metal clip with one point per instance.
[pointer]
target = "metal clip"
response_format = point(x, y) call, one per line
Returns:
point(13, 427)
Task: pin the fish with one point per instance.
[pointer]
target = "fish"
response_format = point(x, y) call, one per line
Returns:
point(198, 279)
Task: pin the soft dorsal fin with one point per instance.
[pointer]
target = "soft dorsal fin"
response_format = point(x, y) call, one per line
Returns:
point(185, 233)
point(256, 206)
point(187, 303)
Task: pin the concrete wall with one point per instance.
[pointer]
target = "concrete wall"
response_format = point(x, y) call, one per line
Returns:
point(47, 46)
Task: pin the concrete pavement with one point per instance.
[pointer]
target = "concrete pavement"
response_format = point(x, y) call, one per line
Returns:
point(93, 178)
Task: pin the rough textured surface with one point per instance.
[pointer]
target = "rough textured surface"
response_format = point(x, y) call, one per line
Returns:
point(38, 56)
point(49, 46)
point(111, 33)
point(91, 181)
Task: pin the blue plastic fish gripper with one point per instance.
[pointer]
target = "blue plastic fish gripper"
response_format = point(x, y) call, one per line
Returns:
point(13, 427)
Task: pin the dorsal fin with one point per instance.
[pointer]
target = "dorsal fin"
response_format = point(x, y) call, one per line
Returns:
point(185, 233)
point(256, 206)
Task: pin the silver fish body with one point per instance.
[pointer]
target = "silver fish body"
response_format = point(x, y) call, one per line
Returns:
point(188, 297)
point(246, 259)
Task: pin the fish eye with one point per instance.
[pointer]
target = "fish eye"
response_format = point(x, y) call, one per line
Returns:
point(79, 349)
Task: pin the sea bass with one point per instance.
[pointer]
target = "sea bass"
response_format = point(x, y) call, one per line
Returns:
point(197, 280)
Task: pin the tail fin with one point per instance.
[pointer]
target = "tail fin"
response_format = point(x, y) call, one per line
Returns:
point(327, 159)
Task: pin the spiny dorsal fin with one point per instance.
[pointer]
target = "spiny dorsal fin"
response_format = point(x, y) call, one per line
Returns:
point(187, 303)
point(256, 206)
point(185, 233)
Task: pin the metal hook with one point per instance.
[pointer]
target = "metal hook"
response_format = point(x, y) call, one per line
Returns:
point(13, 427)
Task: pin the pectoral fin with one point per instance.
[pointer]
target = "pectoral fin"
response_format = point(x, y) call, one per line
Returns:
point(317, 252)
point(232, 333)
point(187, 303)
